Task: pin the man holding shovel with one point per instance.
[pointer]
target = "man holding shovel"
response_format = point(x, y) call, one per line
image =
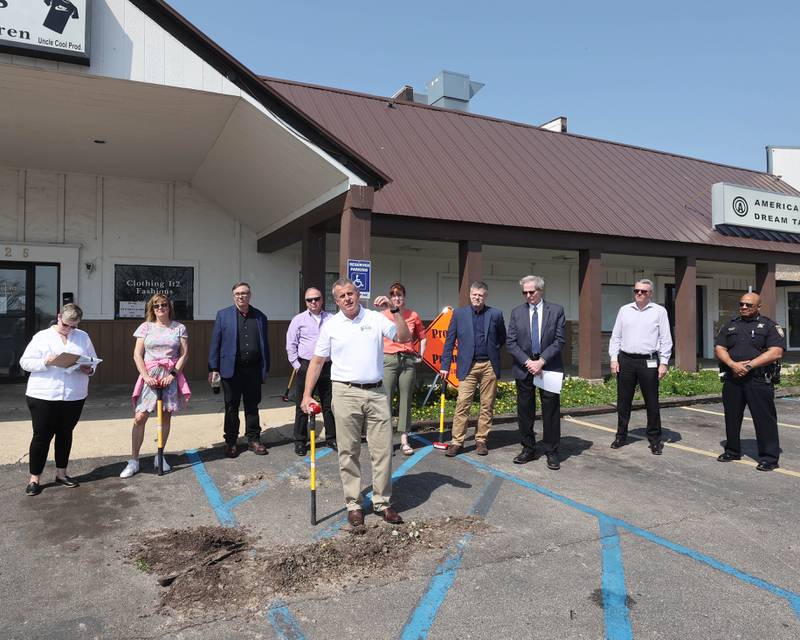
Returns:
point(353, 341)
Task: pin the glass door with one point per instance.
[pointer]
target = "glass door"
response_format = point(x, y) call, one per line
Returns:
point(29, 302)
point(14, 319)
point(793, 307)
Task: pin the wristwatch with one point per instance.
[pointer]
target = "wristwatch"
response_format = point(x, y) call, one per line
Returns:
point(748, 367)
point(173, 372)
point(395, 310)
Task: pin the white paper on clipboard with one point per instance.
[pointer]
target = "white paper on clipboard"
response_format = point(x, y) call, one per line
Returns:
point(551, 381)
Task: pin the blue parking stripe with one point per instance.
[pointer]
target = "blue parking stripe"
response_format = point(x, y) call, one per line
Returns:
point(615, 595)
point(421, 619)
point(284, 624)
point(792, 598)
point(224, 509)
point(402, 470)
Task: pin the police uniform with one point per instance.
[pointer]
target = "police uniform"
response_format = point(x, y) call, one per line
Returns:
point(746, 339)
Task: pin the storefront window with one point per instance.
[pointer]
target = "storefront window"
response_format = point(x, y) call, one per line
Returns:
point(135, 284)
point(613, 297)
point(794, 319)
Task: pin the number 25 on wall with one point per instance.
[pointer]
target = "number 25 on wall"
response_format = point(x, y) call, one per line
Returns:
point(8, 252)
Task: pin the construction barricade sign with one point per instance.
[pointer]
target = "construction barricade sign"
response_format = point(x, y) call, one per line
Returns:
point(436, 334)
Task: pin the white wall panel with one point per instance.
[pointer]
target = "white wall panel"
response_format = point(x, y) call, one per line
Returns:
point(41, 207)
point(135, 218)
point(274, 277)
point(8, 204)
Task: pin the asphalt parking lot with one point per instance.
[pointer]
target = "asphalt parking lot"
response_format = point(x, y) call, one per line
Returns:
point(617, 544)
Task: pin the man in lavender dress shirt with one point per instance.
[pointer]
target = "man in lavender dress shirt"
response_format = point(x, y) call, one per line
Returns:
point(640, 347)
point(301, 338)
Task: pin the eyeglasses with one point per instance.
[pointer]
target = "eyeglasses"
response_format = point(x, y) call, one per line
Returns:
point(529, 293)
point(69, 327)
point(161, 305)
point(641, 291)
point(242, 294)
point(748, 305)
point(314, 299)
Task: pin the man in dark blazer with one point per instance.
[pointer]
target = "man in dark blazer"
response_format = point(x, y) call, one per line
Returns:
point(479, 332)
point(239, 352)
point(535, 340)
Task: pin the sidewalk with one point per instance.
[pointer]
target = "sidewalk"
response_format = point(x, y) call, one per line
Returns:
point(105, 425)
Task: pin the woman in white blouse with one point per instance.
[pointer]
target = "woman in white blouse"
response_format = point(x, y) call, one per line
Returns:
point(55, 395)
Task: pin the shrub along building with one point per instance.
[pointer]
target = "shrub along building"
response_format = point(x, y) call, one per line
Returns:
point(153, 160)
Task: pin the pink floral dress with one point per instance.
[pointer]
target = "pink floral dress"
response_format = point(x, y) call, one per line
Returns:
point(162, 347)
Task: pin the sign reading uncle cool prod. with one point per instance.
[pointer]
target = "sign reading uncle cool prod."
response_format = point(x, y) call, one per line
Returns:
point(51, 29)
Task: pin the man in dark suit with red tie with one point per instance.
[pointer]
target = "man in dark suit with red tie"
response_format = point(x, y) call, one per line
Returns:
point(535, 340)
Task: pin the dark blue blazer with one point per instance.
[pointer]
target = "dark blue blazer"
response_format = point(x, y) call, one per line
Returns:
point(461, 330)
point(551, 341)
point(224, 342)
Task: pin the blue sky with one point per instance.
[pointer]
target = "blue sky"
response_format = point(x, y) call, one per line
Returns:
point(709, 79)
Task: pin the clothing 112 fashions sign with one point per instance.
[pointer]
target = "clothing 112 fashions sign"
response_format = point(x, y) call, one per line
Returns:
point(134, 284)
point(51, 29)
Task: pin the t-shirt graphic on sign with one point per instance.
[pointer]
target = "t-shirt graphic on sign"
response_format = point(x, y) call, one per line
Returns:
point(60, 13)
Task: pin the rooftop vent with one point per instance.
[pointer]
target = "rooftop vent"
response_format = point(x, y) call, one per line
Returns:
point(446, 89)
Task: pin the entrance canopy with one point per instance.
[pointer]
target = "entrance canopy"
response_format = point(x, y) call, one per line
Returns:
point(228, 147)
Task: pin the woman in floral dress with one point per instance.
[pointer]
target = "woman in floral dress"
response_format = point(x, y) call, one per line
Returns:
point(160, 354)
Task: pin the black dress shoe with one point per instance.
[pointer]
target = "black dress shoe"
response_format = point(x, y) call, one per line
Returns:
point(526, 455)
point(618, 442)
point(67, 482)
point(391, 516)
point(552, 462)
point(33, 489)
point(331, 444)
point(728, 457)
point(257, 447)
point(657, 448)
point(300, 448)
point(355, 518)
point(766, 466)
point(231, 451)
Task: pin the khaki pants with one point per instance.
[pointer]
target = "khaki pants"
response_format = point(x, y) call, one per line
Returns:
point(400, 371)
point(481, 375)
point(352, 408)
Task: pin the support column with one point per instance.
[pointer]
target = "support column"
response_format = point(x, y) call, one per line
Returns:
point(470, 267)
point(685, 337)
point(356, 228)
point(765, 287)
point(589, 313)
point(312, 263)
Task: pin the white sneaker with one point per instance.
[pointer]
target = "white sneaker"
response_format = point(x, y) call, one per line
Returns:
point(130, 470)
point(155, 464)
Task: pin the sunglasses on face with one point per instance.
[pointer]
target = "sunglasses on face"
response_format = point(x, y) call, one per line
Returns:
point(747, 305)
point(161, 305)
point(642, 291)
point(68, 327)
point(528, 293)
point(314, 299)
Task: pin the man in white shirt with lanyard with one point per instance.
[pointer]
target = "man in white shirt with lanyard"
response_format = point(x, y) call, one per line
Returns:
point(640, 347)
point(353, 341)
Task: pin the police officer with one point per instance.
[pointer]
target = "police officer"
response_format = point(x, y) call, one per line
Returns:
point(748, 348)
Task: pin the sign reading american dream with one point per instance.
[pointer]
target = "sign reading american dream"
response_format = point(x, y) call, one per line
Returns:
point(52, 29)
point(746, 207)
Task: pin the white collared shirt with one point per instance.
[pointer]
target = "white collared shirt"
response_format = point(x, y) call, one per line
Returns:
point(641, 331)
point(51, 382)
point(355, 346)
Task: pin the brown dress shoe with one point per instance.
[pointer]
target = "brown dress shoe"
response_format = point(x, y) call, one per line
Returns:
point(231, 451)
point(481, 449)
point(355, 518)
point(391, 516)
point(453, 450)
point(257, 447)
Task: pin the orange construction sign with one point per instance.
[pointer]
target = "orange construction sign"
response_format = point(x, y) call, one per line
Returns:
point(436, 334)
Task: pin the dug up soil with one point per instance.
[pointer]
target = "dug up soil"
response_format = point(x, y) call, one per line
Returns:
point(217, 569)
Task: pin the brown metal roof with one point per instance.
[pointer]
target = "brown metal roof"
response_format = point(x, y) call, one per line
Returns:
point(451, 165)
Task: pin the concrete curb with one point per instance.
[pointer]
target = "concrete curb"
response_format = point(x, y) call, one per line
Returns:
point(598, 409)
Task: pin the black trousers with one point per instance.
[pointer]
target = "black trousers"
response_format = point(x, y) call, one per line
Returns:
point(759, 397)
point(526, 415)
point(633, 371)
point(324, 389)
point(52, 418)
point(245, 384)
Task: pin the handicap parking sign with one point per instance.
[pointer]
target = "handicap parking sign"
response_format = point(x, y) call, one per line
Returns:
point(360, 272)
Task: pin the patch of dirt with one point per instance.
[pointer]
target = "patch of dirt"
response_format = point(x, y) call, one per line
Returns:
point(212, 569)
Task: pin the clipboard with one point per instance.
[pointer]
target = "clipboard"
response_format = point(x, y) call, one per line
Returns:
point(65, 360)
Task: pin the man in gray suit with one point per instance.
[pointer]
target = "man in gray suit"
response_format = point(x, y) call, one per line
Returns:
point(535, 340)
